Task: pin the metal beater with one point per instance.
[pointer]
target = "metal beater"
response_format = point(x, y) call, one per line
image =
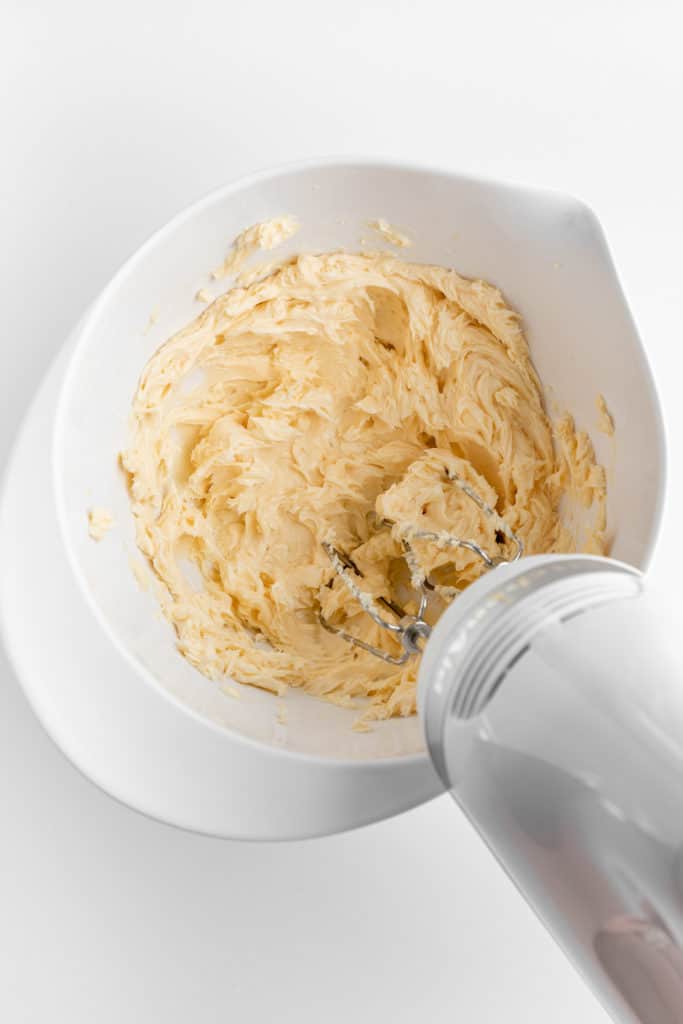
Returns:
point(413, 631)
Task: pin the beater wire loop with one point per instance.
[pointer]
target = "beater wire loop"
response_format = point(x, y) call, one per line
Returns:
point(412, 631)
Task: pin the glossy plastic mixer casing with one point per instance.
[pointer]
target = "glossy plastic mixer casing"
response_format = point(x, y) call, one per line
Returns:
point(552, 701)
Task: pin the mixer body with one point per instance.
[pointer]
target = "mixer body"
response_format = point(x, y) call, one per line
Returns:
point(552, 698)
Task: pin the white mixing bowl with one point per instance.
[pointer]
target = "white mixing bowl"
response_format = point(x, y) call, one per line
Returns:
point(96, 658)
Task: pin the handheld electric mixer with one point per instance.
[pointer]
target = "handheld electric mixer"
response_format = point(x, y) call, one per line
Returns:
point(545, 719)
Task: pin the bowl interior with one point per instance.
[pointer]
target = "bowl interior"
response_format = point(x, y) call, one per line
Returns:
point(547, 254)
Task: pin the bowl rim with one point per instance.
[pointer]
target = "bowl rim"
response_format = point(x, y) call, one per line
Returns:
point(83, 338)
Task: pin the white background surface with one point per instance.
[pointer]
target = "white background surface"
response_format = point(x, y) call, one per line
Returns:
point(112, 118)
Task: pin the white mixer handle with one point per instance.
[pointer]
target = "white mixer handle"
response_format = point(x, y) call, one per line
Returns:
point(552, 698)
